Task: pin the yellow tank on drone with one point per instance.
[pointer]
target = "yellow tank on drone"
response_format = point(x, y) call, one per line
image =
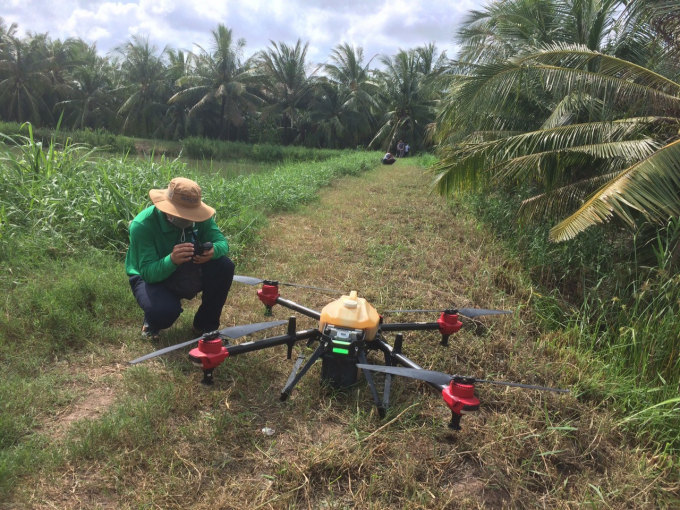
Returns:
point(351, 312)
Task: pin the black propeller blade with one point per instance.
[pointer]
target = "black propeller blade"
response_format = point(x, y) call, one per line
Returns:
point(429, 376)
point(249, 280)
point(467, 312)
point(441, 378)
point(232, 332)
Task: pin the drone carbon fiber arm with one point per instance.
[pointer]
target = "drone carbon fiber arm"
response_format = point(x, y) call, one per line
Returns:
point(269, 295)
point(292, 305)
point(447, 324)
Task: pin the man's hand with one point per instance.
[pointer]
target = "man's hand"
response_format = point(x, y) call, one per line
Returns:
point(202, 259)
point(182, 253)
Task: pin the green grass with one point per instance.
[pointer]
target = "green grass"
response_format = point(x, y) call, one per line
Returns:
point(63, 231)
point(210, 149)
point(103, 140)
point(617, 310)
point(68, 322)
point(73, 198)
point(198, 148)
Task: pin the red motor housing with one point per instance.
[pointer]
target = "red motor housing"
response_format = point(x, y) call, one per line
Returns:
point(460, 398)
point(449, 323)
point(209, 353)
point(268, 294)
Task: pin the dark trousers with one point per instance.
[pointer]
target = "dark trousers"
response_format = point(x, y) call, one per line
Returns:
point(162, 308)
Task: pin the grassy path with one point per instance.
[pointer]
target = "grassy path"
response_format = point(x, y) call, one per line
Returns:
point(159, 439)
point(385, 236)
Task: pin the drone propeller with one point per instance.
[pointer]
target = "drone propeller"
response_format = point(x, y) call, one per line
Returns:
point(471, 313)
point(249, 280)
point(442, 379)
point(232, 332)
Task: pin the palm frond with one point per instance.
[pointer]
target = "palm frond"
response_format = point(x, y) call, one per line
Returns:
point(562, 200)
point(649, 187)
point(477, 165)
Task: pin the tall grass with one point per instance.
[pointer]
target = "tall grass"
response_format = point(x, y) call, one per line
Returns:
point(193, 147)
point(101, 139)
point(613, 297)
point(68, 195)
point(210, 149)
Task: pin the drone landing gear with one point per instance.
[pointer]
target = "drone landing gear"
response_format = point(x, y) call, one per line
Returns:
point(454, 424)
point(207, 376)
point(295, 376)
point(339, 374)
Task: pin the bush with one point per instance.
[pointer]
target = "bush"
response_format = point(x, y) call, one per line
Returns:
point(100, 139)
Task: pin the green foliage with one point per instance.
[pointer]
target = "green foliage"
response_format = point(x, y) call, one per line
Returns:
point(57, 301)
point(609, 298)
point(206, 148)
point(271, 96)
point(409, 98)
point(71, 198)
point(558, 107)
point(102, 140)
point(64, 294)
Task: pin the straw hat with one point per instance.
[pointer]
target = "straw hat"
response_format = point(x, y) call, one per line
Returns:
point(182, 199)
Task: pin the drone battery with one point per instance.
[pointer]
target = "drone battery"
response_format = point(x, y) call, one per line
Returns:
point(339, 363)
point(338, 373)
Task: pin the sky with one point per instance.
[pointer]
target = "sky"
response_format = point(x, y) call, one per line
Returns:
point(381, 27)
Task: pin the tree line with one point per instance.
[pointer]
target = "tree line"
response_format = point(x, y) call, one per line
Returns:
point(274, 96)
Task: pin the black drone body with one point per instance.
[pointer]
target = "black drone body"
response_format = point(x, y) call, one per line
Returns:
point(349, 327)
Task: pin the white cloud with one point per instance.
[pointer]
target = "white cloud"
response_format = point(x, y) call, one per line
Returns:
point(97, 33)
point(379, 26)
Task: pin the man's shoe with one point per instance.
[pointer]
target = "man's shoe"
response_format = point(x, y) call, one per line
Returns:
point(147, 332)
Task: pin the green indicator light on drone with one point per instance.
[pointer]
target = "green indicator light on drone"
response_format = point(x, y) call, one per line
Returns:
point(341, 342)
point(340, 351)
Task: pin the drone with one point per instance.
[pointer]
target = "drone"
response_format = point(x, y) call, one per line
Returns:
point(349, 328)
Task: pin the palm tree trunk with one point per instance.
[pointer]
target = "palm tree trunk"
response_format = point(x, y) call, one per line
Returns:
point(224, 102)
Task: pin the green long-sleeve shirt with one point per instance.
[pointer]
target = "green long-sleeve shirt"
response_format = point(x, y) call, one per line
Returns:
point(152, 238)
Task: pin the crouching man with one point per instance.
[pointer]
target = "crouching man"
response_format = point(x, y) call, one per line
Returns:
point(176, 250)
point(388, 159)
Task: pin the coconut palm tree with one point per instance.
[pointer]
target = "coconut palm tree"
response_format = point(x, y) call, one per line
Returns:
point(220, 78)
point(355, 88)
point(592, 130)
point(91, 103)
point(286, 85)
point(24, 77)
point(146, 87)
point(407, 99)
point(609, 147)
point(177, 122)
point(334, 125)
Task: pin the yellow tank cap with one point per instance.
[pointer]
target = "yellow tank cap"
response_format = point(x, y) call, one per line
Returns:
point(352, 301)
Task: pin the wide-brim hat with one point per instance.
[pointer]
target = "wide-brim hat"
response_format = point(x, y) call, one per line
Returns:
point(182, 198)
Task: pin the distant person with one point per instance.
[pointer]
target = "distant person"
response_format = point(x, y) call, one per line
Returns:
point(388, 159)
point(163, 261)
point(406, 149)
point(400, 149)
